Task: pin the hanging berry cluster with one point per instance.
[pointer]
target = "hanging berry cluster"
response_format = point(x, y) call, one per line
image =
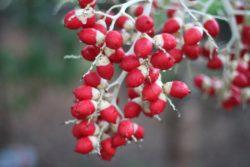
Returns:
point(232, 88)
point(126, 37)
point(130, 43)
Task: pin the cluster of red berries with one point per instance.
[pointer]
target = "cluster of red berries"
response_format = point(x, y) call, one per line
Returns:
point(100, 126)
point(233, 87)
point(131, 43)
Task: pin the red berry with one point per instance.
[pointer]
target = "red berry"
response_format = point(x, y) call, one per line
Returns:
point(114, 40)
point(86, 128)
point(105, 68)
point(191, 51)
point(215, 63)
point(212, 26)
point(115, 56)
point(86, 145)
point(139, 132)
point(154, 74)
point(165, 40)
point(240, 80)
point(107, 146)
point(136, 77)
point(245, 34)
point(101, 26)
point(132, 109)
point(138, 10)
point(90, 52)
point(71, 21)
point(177, 54)
point(144, 23)
point(129, 62)
point(193, 35)
point(85, 92)
point(162, 60)
point(132, 93)
point(176, 89)
point(91, 36)
point(172, 25)
point(124, 22)
point(143, 47)
point(198, 80)
point(83, 109)
point(108, 112)
point(84, 3)
point(151, 91)
point(94, 80)
point(157, 107)
point(126, 128)
point(118, 140)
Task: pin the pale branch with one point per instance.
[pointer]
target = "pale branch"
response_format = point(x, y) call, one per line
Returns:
point(72, 56)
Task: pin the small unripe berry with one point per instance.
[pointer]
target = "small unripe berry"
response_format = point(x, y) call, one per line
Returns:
point(193, 35)
point(176, 89)
point(143, 47)
point(144, 23)
point(162, 60)
point(114, 40)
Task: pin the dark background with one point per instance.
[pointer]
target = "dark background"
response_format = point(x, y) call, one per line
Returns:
point(36, 92)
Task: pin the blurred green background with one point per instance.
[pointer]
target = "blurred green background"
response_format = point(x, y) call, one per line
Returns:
point(36, 92)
